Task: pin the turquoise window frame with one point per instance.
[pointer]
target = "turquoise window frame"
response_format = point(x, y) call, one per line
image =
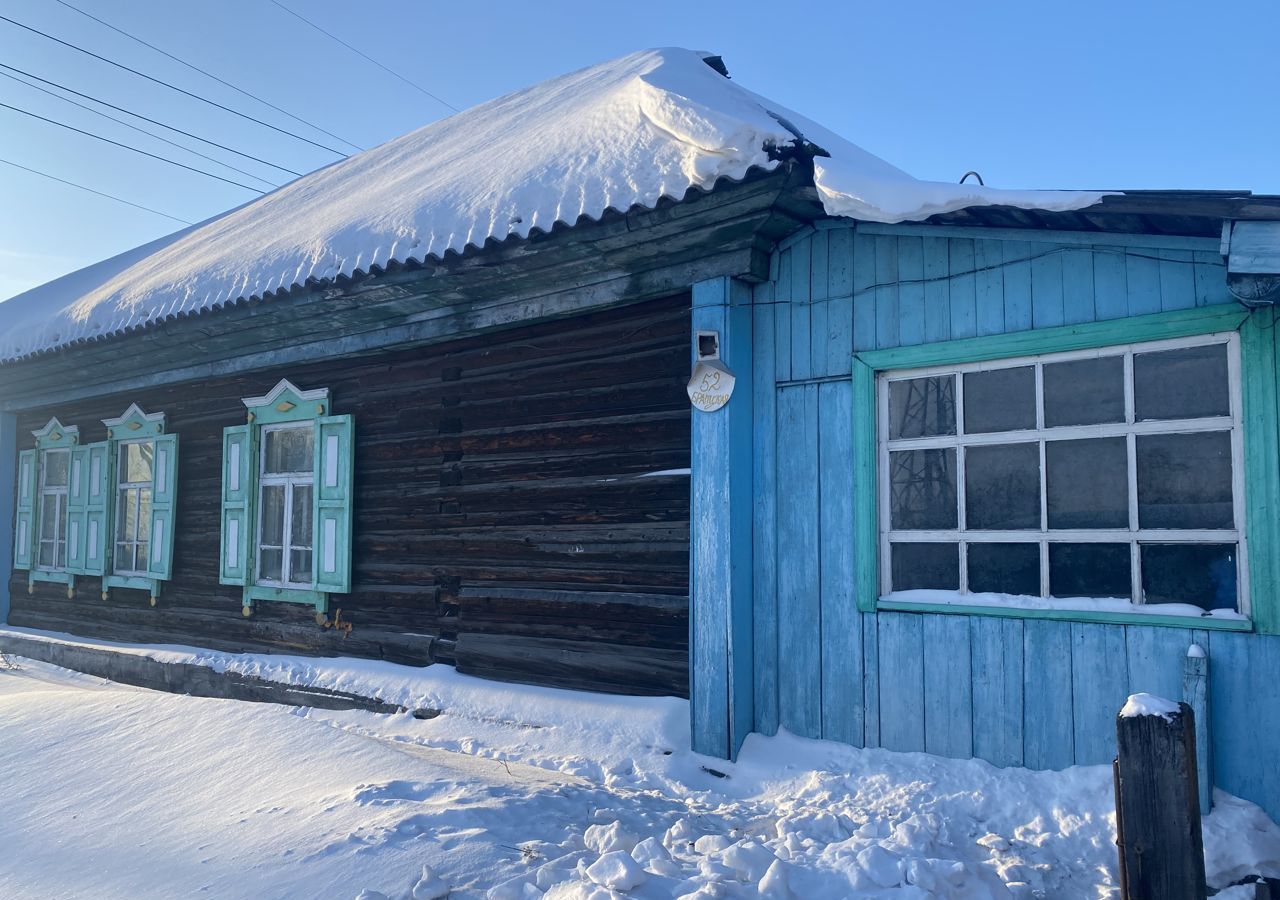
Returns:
point(1261, 440)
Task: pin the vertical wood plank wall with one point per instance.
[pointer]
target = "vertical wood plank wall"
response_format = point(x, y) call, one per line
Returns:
point(1015, 692)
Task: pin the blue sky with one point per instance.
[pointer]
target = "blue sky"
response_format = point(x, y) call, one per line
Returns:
point(1078, 94)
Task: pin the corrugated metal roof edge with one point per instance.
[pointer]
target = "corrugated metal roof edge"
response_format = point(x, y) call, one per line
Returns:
point(395, 265)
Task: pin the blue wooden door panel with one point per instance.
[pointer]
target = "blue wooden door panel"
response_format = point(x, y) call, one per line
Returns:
point(864, 298)
point(888, 315)
point(1210, 278)
point(901, 673)
point(996, 664)
point(870, 680)
point(1046, 288)
point(1099, 686)
point(989, 275)
point(799, 612)
point(841, 624)
point(1077, 285)
point(1110, 284)
point(1246, 716)
point(800, 311)
point(1017, 285)
point(765, 534)
point(1048, 739)
point(937, 290)
point(1144, 282)
point(948, 686)
point(910, 252)
point(839, 262)
point(1177, 279)
point(1155, 658)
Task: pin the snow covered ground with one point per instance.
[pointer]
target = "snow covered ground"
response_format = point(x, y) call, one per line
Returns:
point(517, 792)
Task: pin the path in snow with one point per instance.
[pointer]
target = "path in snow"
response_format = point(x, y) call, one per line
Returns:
point(520, 792)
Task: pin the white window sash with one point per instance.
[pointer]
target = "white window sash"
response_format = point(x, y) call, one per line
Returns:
point(1129, 429)
point(289, 481)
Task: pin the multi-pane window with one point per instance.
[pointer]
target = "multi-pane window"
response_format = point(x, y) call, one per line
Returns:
point(1111, 473)
point(285, 503)
point(55, 475)
point(134, 479)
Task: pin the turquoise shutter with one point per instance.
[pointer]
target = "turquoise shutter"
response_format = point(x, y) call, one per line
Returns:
point(331, 558)
point(24, 530)
point(238, 469)
point(77, 508)
point(87, 496)
point(164, 492)
point(95, 535)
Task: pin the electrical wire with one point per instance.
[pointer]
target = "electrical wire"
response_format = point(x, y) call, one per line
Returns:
point(363, 55)
point(172, 87)
point(208, 74)
point(137, 115)
point(107, 140)
point(9, 162)
point(140, 130)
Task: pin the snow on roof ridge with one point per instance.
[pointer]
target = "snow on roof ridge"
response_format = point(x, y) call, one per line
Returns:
point(619, 135)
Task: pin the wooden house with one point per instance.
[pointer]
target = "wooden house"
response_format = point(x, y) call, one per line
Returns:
point(964, 467)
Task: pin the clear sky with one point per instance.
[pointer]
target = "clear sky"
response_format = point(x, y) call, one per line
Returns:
point(1072, 94)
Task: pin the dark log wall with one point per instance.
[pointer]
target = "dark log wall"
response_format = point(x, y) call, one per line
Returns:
point(504, 518)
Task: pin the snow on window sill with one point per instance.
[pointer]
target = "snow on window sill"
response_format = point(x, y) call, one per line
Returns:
point(1084, 608)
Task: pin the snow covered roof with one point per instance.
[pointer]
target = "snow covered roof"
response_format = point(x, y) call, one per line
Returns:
point(618, 135)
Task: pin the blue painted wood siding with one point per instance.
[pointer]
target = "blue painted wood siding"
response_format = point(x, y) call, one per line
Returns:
point(1016, 692)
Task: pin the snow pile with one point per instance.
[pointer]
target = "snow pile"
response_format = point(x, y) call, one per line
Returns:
point(1074, 604)
point(519, 793)
point(1143, 704)
point(618, 135)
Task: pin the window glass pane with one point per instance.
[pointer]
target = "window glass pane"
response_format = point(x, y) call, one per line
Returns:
point(922, 407)
point(1089, 570)
point(1203, 575)
point(272, 515)
point(47, 554)
point(1000, 400)
point(124, 558)
point(144, 515)
point(301, 524)
point(135, 462)
point(1181, 384)
point(1002, 487)
point(126, 515)
point(142, 557)
point(269, 564)
point(1004, 569)
point(925, 566)
point(55, 468)
point(1184, 480)
point(1084, 391)
point(299, 566)
point(289, 450)
point(922, 486)
point(49, 516)
point(1088, 483)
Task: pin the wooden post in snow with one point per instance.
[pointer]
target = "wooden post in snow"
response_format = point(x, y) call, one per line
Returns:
point(1158, 801)
point(1195, 691)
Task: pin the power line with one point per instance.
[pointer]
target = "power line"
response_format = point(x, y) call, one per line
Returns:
point(173, 87)
point(172, 162)
point(334, 37)
point(137, 115)
point(138, 129)
point(208, 74)
point(82, 187)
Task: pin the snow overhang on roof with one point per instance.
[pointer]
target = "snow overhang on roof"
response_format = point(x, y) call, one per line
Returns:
point(622, 134)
